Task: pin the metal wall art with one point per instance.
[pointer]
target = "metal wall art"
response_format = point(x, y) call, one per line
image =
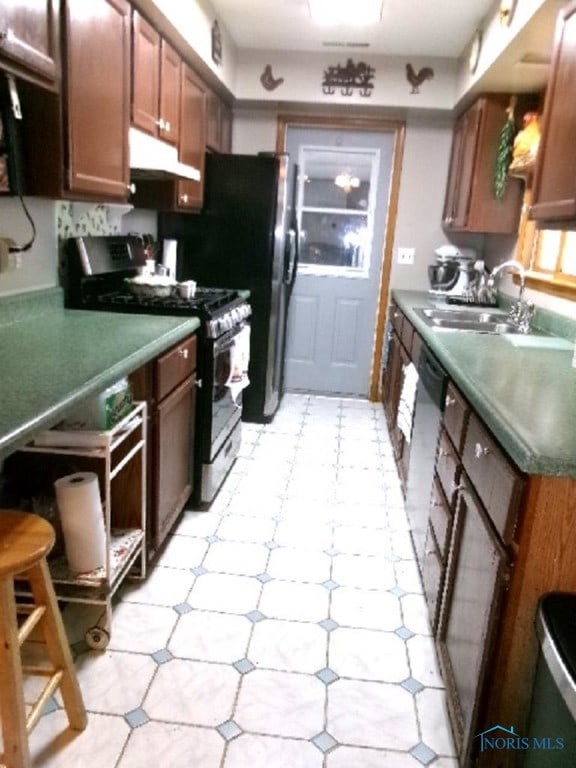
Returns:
point(417, 78)
point(349, 78)
point(269, 82)
point(216, 44)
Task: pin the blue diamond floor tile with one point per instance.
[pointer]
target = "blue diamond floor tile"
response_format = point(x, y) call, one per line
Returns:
point(162, 656)
point(412, 686)
point(199, 570)
point(229, 730)
point(136, 717)
point(423, 754)
point(404, 633)
point(243, 666)
point(183, 608)
point(324, 741)
point(255, 616)
point(326, 675)
point(328, 624)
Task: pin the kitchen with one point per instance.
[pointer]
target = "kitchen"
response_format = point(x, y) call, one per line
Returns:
point(419, 214)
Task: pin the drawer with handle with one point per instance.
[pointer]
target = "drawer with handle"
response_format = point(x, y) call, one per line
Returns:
point(173, 367)
point(456, 413)
point(496, 481)
point(448, 467)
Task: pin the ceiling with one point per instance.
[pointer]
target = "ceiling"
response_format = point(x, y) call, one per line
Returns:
point(408, 28)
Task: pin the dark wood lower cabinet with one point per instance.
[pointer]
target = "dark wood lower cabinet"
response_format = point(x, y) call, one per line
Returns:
point(476, 579)
point(172, 428)
point(168, 384)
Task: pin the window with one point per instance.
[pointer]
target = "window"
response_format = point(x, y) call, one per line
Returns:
point(336, 210)
point(549, 256)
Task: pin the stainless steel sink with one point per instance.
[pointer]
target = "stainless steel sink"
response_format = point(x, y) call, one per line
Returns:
point(467, 320)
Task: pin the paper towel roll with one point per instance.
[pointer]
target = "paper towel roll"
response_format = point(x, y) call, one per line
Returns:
point(169, 256)
point(78, 499)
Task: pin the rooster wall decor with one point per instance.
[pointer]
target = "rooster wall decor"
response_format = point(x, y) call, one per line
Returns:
point(417, 78)
point(268, 80)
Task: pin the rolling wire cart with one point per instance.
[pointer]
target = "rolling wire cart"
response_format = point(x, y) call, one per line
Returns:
point(118, 457)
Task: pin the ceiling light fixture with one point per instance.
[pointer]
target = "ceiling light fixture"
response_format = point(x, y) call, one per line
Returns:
point(356, 12)
point(347, 182)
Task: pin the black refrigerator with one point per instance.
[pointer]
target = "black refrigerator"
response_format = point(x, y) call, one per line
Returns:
point(246, 238)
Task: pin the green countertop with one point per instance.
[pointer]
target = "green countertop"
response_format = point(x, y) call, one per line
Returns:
point(525, 396)
point(52, 358)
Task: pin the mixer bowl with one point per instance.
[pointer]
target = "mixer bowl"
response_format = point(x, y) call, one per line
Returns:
point(443, 277)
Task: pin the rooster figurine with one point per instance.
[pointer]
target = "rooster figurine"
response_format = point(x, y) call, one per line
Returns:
point(417, 78)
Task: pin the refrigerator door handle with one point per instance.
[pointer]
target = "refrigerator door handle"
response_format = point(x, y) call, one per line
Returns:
point(291, 257)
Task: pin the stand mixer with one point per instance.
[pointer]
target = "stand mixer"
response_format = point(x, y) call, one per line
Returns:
point(456, 272)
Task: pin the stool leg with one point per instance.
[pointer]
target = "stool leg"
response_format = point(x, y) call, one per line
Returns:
point(57, 643)
point(12, 710)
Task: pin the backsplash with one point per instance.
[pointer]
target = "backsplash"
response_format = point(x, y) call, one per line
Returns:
point(76, 219)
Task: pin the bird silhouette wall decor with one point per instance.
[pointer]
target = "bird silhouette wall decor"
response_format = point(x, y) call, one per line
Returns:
point(417, 78)
point(269, 82)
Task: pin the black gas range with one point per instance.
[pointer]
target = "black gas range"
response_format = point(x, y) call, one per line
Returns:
point(94, 272)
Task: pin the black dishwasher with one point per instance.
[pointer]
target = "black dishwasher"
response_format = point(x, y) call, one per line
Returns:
point(428, 408)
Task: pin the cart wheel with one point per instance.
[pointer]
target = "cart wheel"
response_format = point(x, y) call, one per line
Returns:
point(97, 638)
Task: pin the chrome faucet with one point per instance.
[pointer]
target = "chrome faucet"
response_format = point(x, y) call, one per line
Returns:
point(521, 311)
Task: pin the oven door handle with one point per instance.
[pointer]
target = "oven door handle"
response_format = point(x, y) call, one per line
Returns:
point(227, 341)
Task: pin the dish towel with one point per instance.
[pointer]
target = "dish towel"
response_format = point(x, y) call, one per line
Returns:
point(239, 360)
point(407, 400)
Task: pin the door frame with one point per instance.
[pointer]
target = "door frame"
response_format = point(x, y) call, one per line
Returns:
point(368, 125)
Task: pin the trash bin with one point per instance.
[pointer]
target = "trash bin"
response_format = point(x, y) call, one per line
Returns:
point(552, 724)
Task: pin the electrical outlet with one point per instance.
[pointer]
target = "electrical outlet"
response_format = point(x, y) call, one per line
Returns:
point(9, 261)
point(406, 255)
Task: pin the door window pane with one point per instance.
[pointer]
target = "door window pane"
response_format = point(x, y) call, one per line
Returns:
point(334, 239)
point(335, 208)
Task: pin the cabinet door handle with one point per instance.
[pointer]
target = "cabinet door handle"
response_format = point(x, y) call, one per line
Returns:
point(443, 454)
point(160, 123)
point(183, 353)
point(131, 188)
point(480, 451)
point(184, 199)
point(456, 487)
point(167, 126)
point(449, 402)
point(198, 383)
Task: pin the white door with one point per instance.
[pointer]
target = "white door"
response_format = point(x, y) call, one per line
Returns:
point(342, 204)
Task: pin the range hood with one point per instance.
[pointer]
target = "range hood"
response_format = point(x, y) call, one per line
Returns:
point(151, 158)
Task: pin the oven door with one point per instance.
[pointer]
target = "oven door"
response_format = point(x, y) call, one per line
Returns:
point(225, 412)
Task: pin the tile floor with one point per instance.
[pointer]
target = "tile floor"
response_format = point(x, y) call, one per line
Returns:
point(284, 628)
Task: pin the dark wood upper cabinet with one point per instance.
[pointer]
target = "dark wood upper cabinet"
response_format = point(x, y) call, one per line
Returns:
point(145, 75)
point(29, 39)
point(554, 186)
point(470, 204)
point(170, 75)
point(97, 97)
point(190, 193)
point(218, 123)
point(155, 82)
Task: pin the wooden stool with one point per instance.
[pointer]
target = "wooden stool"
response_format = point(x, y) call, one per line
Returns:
point(25, 540)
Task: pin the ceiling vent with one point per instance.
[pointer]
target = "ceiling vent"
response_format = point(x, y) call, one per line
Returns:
point(342, 44)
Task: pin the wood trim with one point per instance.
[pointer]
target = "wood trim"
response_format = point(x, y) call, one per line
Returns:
point(373, 125)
